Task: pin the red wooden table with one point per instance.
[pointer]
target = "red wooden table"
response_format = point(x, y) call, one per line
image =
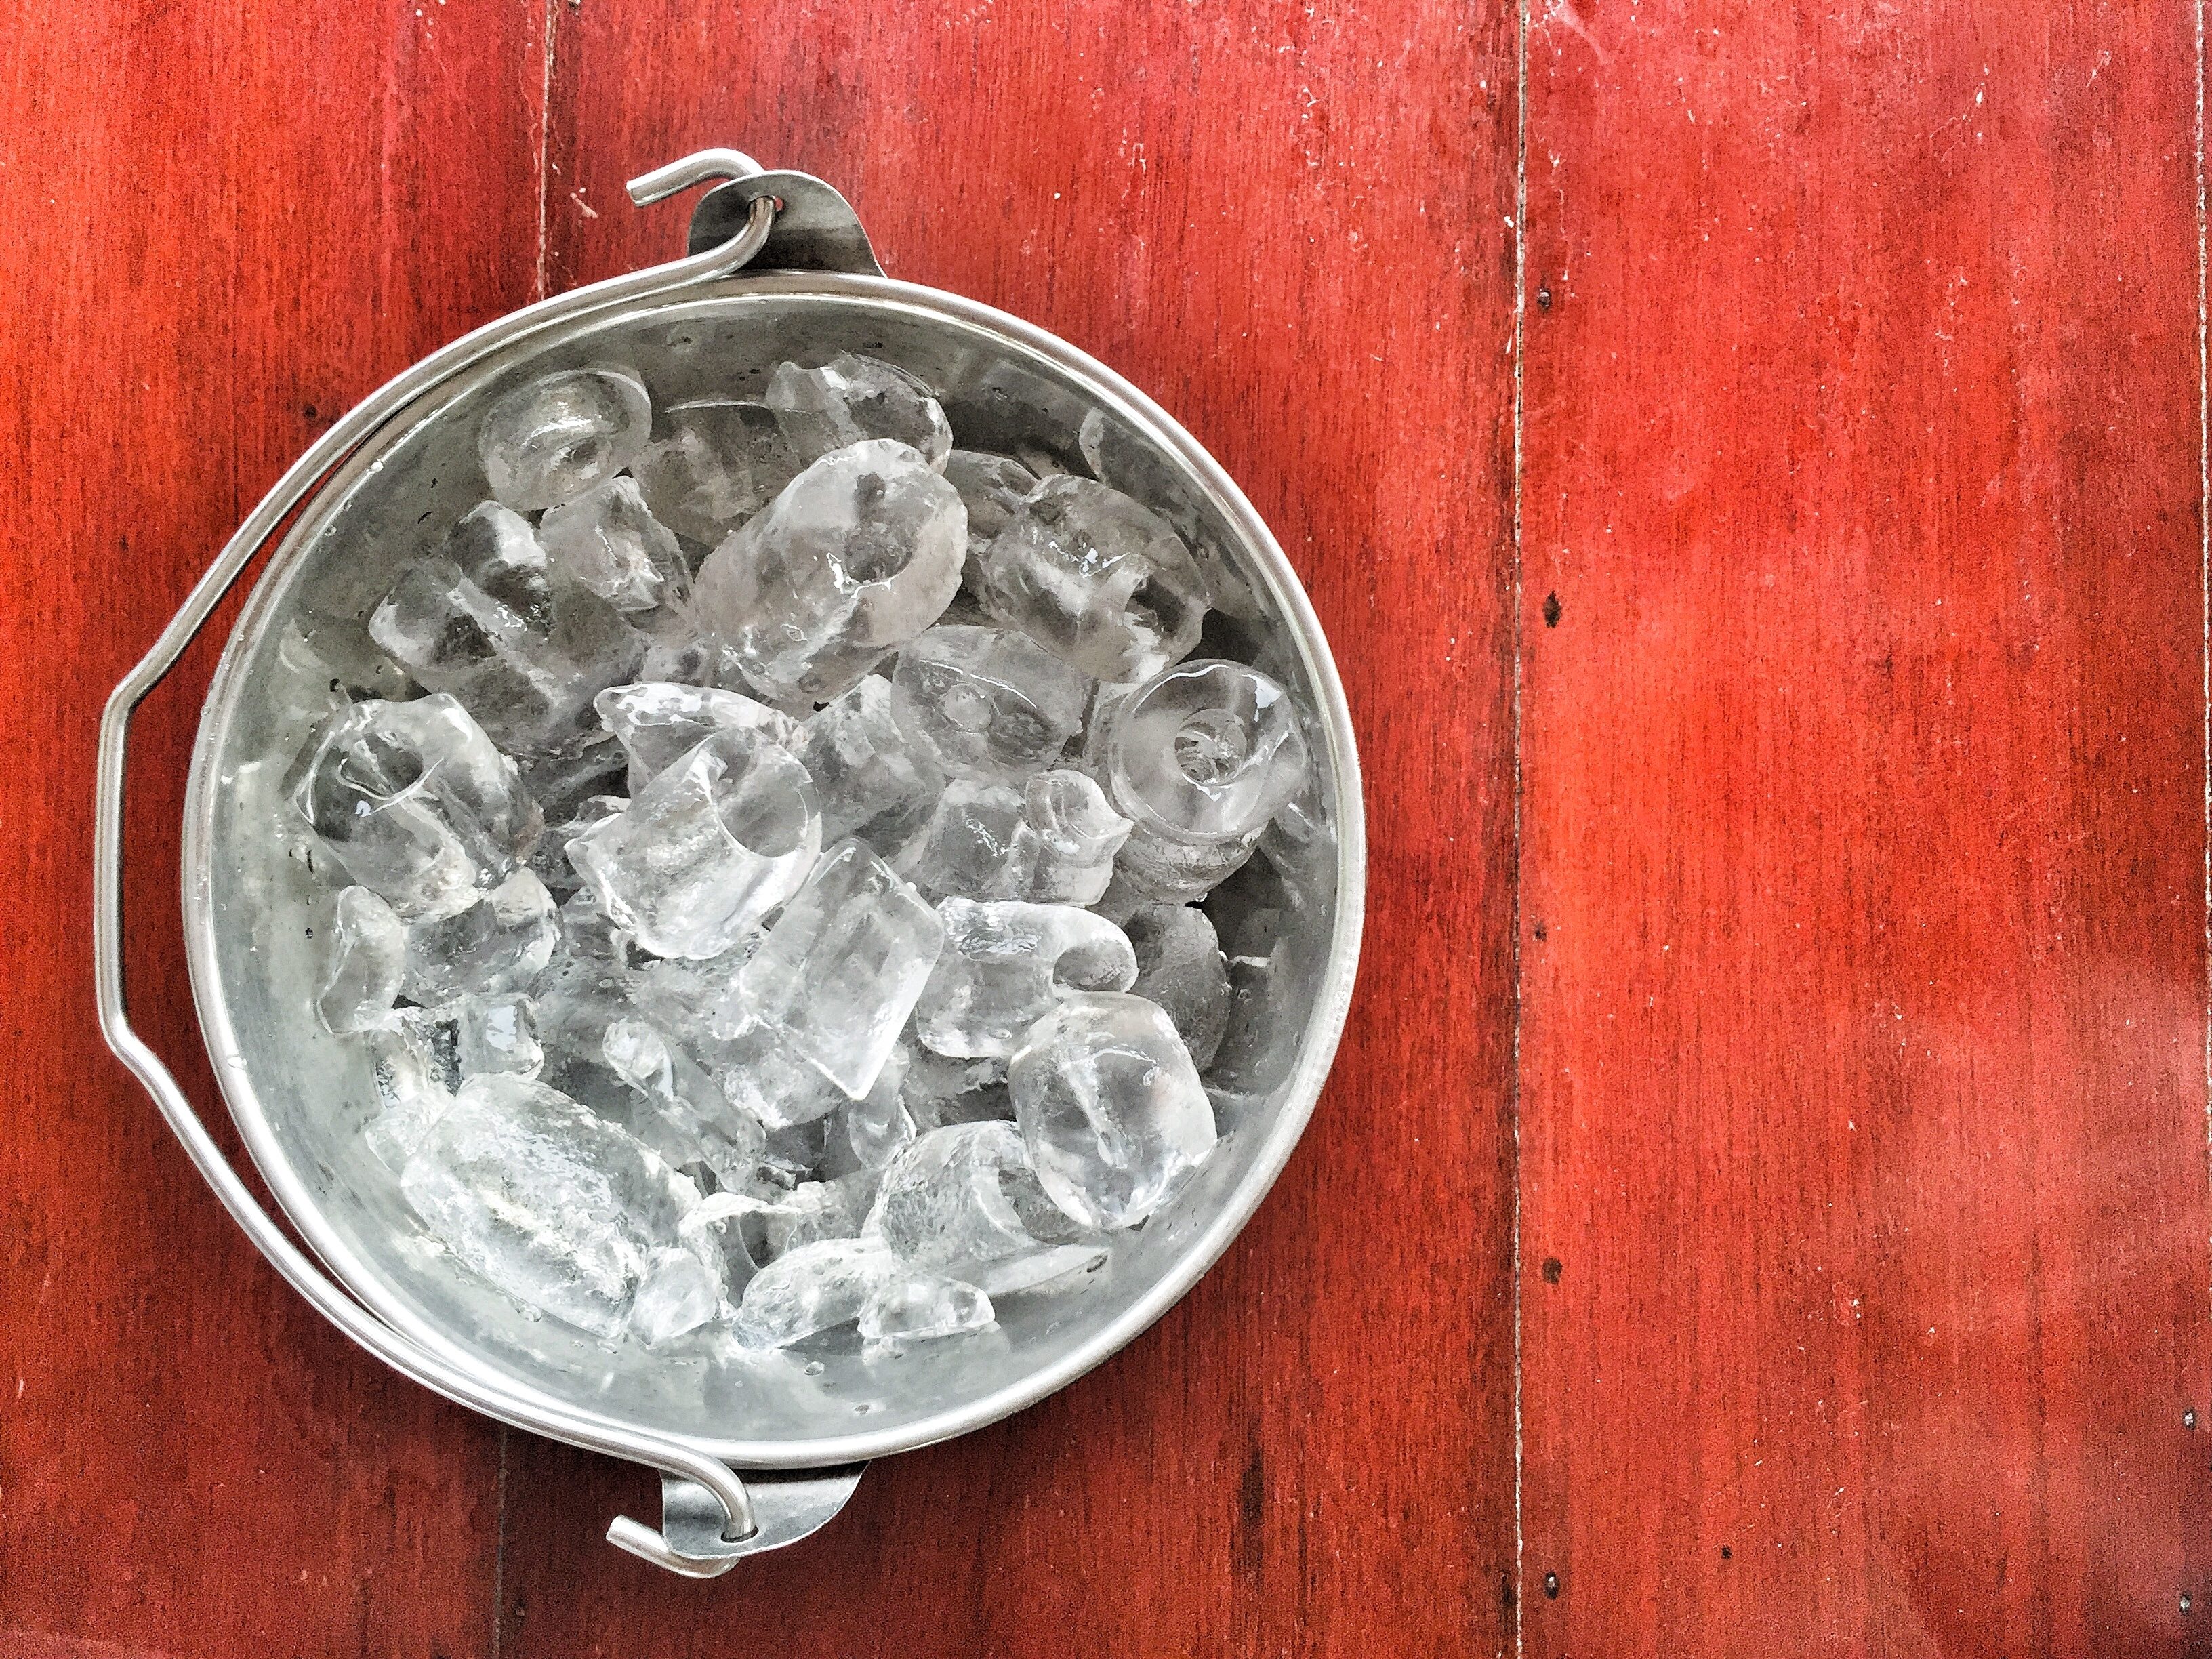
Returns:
point(1751, 462)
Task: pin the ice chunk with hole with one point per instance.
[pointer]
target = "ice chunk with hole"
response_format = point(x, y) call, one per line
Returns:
point(500, 944)
point(858, 554)
point(1110, 1106)
point(870, 776)
point(839, 972)
point(1200, 759)
point(851, 398)
point(707, 848)
point(965, 1200)
point(1005, 965)
point(814, 1288)
point(658, 724)
point(1098, 579)
point(607, 541)
point(987, 702)
point(413, 802)
point(552, 439)
point(559, 1210)
point(367, 950)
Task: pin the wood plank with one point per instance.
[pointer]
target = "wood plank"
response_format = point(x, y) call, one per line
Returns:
point(1863, 1060)
point(217, 241)
point(1293, 229)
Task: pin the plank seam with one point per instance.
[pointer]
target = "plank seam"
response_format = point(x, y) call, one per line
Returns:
point(1513, 1090)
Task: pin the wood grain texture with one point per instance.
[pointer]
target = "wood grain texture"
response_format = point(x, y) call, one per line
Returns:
point(1863, 1048)
point(219, 235)
point(1291, 229)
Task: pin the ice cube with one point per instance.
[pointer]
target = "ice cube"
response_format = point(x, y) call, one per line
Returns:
point(813, 1288)
point(991, 488)
point(987, 702)
point(412, 801)
point(761, 1072)
point(954, 1202)
point(851, 398)
point(498, 944)
point(410, 1094)
point(555, 1207)
point(1180, 967)
point(607, 541)
point(495, 1034)
point(1004, 967)
point(1096, 577)
point(658, 724)
point(1110, 1106)
point(1200, 759)
point(917, 1307)
point(482, 620)
point(879, 1125)
point(858, 554)
point(683, 652)
point(1117, 457)
point(1051, 842)
point(551, 440)
point(587, 935)
point(713, 465)
point(939, 1090)
point(680, 1292)
point(367, 947)
point(872, 779)
point(707, 848)
point(838, 973)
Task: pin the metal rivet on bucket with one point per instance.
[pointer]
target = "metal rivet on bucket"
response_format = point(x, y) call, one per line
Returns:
point(779, 267)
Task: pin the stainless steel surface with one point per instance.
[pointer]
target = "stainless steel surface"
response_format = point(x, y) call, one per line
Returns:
point(299, 1096)
point(786, 1506)
point(815, 229)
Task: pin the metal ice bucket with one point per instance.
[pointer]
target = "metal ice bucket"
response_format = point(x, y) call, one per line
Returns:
point(779, 268)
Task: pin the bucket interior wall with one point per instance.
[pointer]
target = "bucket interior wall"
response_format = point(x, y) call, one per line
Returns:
point(255, 904)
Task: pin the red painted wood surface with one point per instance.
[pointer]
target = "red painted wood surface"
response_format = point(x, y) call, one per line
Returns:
point(1862, 873)
point(1850, 931)
point(215, 237)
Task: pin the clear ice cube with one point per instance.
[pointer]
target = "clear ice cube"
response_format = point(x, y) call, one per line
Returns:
point(495, 1034)
point(839, 970)
point(872, 778)
point(1118, 457)
point(1180, 967)
point(850, 399)
point(919, 1307)
point(939, 1090)
point(991, 487)
point(961, 1201)
point(987, 702)
point(607, 541)
point(714, 464)
point(559, 1210)
point(412, 801)
point(814, 1288)
point(1096, 577)
point(367, 951)
point(658, 724)
point(1051, 842)
point(551, 440)
point(1110, 1106)
point(1005, 965)
point(680, 1291)
point(858, 554)
point(498, 944)
point(482, 620)
point(707, 848)
point(1200, 759)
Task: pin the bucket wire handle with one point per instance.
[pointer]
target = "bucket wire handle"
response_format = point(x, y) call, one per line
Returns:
point(703, 1551)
